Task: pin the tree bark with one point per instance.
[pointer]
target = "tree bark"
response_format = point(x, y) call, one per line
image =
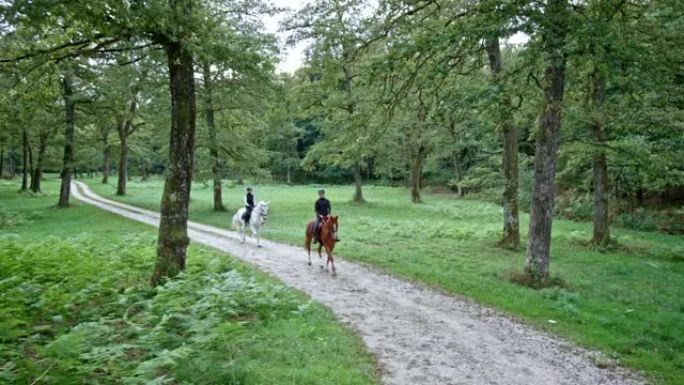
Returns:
point(416, 173)
point(548, 138)
point(25, 159)
point(68, 161)
point(358, 191)
point(211, 129)
point(12, 163)
point(123, 165)
point(106, 156)
point(37, 175)
point(173, 236)
point(511, 223)
point(288, 171)
point(599, 164)
point(125, 129)
point(143, 169)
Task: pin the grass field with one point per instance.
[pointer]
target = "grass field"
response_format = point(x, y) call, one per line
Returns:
point(627, 302)
point(76, 307)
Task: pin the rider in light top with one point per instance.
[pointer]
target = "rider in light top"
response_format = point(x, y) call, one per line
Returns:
point(323, 209)
point(249, 205)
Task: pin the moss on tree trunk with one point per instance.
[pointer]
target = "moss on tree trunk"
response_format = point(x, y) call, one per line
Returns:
point(173, 235)
point(511, 222)
point(548, 138)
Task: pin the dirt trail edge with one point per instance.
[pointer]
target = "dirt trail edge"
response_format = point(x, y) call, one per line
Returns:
point(419, 336)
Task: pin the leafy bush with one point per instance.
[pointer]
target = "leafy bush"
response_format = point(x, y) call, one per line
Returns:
point(640, 219)
point(77, 308)
point(12, 218)
point(575, 207)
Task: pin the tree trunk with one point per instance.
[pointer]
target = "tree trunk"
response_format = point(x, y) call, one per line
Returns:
point(38, 170)
point(511, 223)
point(173, 235)
point(143, 169)
point(211, 129)
point(599, 165)
point(416, 174)
point(25, 156)
point(12, 163)
point(123, 165)
point(125, 129)
point(106, 157)
point(548, 138)
point(68, 162)
point(288, 167)
point(358, 192)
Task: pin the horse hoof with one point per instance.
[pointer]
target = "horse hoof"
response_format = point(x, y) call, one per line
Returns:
point(259, 246)
point(309, 263)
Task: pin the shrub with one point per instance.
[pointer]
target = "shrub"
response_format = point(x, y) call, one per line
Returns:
point(575, 207)
point(640, 219)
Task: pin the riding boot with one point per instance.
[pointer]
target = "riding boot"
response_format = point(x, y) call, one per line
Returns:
point(316, 233)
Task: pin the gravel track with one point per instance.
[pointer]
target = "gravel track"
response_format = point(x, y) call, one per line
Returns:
point(419, 336)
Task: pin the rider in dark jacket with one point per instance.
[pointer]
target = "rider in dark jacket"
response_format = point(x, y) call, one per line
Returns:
point(323, 209)
point(249, 205)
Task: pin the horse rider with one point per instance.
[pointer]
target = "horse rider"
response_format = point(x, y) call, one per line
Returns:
point(249, 205)
point(323, 209)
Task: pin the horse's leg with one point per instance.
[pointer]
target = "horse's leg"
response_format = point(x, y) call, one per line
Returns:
point(258, 239)
point(329, 259)
point(242, 232)
point(307, 245)
point(332, 262)
point(320, 256)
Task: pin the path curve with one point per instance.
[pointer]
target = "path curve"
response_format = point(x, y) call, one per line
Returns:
point(419, 336)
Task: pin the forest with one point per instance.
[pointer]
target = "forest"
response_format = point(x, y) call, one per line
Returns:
point(522, 116)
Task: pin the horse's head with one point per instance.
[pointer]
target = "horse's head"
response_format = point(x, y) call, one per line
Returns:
point(333, 225)
point(262, 209)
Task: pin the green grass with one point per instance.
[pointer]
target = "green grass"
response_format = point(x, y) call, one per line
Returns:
point(76, 308)
point(627, 302)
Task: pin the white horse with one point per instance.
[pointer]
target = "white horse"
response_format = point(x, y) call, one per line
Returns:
point(256, 221)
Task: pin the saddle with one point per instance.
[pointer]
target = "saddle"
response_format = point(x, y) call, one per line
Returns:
point(318, 226)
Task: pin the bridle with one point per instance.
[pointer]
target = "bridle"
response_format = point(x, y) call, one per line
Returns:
point(263, 213)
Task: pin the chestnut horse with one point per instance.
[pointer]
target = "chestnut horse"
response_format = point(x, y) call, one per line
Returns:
point(327, 239)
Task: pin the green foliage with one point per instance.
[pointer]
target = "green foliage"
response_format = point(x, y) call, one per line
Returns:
point(640, 219)
point(577, 207)
point(625, 301)
point(78, 307)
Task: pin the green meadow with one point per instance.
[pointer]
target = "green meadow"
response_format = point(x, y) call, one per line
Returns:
point(77, 307)
point(627, 302)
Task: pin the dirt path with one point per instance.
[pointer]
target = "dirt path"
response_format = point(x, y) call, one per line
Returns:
point(419, 336)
